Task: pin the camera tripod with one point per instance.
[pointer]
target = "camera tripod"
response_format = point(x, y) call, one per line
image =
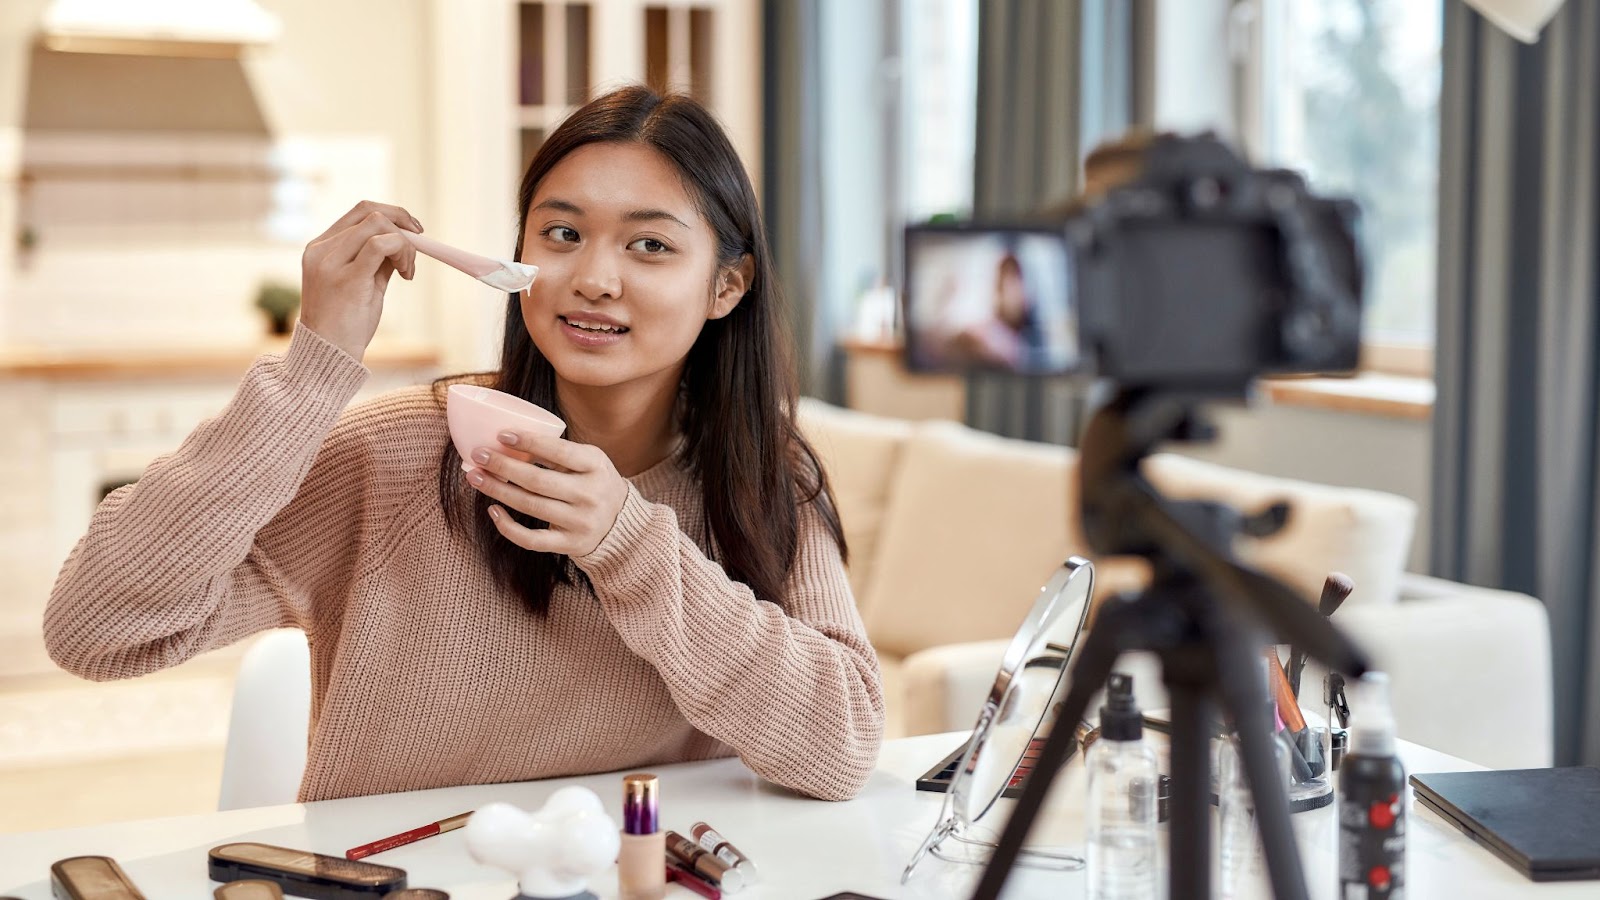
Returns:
point(1199, 616)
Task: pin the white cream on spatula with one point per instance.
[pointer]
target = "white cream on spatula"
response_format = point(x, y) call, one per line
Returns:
point(501, 274)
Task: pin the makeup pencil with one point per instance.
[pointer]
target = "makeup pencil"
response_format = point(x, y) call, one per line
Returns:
point(407, 837)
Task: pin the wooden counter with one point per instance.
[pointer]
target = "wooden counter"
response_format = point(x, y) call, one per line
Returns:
point(183, 362)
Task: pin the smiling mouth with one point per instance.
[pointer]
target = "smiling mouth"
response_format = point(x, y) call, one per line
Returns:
point(594, 328)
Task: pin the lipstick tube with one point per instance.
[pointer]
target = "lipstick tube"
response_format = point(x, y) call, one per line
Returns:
point(700, 861)
point(719, 847)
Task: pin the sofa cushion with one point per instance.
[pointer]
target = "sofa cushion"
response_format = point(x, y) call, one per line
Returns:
point(859, 453)
point(1364, 534)
point(943, 688)
point(976, 526)
point(892, 671)
point(952, 531)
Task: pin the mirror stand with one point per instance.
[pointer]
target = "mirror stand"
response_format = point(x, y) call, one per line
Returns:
point(1017, 714)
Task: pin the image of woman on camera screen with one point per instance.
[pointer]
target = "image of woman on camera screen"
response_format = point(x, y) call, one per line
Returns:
point(1001, 304)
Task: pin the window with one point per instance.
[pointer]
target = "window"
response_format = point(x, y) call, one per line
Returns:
point(897, 107)
point(1348, 93)
point(939, 95)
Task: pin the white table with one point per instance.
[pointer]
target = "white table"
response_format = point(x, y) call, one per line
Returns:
point(806, 849)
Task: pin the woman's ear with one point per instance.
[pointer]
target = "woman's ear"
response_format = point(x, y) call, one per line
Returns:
point(733, 282)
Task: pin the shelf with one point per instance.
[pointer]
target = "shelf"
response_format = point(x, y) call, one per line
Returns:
point(1370, 393)
point(159, 172)
point(881, 347)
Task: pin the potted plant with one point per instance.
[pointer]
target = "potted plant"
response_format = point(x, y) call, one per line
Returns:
point(280, 301)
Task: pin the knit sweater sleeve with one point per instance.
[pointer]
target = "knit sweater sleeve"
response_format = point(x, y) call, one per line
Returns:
point(795, 691)
point(231, 534)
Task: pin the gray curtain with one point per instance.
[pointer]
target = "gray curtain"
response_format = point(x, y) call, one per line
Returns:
point(1518, 343)
point(792, 183)
point(1054, 77)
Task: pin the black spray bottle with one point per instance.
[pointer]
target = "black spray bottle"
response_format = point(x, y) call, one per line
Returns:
point(1372, 801)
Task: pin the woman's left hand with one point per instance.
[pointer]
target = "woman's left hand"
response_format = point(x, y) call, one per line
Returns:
point(574, 487)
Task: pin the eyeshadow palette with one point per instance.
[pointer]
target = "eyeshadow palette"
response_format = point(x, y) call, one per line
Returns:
point(937, 779)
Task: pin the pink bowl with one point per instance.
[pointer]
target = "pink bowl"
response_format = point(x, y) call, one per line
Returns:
point(476, 416)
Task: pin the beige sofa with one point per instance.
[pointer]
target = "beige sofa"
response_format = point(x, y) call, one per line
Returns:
point(952, 532)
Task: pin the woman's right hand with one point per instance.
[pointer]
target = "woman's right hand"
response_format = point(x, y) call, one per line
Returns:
point(345, 271)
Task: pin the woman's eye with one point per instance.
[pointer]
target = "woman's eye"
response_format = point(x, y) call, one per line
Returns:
point(561, 233)
point(648, 245)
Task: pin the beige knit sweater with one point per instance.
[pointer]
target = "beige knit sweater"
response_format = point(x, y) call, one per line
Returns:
point(282, 511)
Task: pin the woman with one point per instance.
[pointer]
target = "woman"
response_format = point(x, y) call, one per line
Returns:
point(665, 583)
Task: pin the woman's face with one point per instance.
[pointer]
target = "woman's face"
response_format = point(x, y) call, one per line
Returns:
point(1011, 293)
point(628, 273)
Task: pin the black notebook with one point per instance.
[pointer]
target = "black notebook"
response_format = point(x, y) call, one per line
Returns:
point(1545, 823)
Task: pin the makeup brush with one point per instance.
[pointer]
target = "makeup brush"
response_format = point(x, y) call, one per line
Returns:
point(501, 274)
point(1335, 590)
point(1288, 717)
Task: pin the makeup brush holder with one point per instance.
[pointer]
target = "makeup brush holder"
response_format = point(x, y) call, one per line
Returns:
point(1315, 746)
point(1305, 794)
point(553, 851)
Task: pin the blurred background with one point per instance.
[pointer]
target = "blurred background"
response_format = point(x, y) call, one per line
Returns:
point(163, 163)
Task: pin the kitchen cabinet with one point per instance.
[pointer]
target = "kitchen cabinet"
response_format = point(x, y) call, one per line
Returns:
point(80, 424)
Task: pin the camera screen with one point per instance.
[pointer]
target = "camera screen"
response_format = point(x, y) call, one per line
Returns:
point(989, 298)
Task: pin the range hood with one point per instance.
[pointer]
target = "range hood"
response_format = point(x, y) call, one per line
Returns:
point(205, 28)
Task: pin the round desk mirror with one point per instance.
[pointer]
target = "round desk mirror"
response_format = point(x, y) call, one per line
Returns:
point(1017, 715)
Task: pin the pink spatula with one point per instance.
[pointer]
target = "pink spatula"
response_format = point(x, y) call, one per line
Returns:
point(502, 274)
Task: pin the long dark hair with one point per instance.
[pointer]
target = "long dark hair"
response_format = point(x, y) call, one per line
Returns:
point(737, 399)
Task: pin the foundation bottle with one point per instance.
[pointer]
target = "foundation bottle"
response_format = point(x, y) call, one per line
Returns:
point(641, 863)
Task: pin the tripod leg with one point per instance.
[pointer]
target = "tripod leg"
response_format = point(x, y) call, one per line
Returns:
point(1244, 699)
point(1189, 832)
point(1095, 658)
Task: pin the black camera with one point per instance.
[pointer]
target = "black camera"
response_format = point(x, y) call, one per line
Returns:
point(1198, 273)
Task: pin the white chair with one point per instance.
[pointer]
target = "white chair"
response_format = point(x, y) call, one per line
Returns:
point(267, 730)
